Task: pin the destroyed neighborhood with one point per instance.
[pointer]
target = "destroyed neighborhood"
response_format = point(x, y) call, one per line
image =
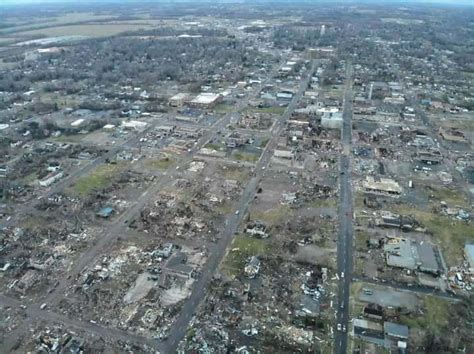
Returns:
point(236, 178)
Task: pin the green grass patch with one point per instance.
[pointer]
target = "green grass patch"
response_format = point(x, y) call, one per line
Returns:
point(246, 157)
point(450, 196)
point(271, 110)
point(213, 146)
point(361, 239)
point(68, 138)
point(30, 178)
point(356, 309)
point(264, 143)
point(356, 288)
point(435, 319)
point(273, 216)
point(160, 164)
point(359, 200)
point(235, 173)
point(359, 265)
point(322, 203)
point(450, 233)
point(224, 208)
point(100, 178)
point(243, 247)
point(224, 108)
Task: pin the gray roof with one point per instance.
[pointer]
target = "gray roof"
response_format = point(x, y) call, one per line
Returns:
point(413, 255)
point(429, 257)
point(395, 330)
point(469, 250)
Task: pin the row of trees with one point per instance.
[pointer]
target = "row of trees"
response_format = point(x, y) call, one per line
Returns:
point(133, 61)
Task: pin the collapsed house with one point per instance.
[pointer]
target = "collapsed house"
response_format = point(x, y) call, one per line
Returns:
point(252, 267)
point(390, 220)
point(257, 229)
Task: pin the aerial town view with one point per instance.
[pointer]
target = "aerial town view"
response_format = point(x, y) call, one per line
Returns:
point(236, 176)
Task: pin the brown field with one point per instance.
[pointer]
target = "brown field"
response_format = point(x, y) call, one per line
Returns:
point(93, 30)
point(18, 26)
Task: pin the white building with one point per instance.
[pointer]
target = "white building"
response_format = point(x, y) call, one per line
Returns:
point(332, 120)
point(206, 100)
point(179, 99)
point(77, 123)
point(50, 179)
point(134, 124)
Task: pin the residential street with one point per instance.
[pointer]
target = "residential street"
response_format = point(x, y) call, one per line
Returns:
point(344, 244)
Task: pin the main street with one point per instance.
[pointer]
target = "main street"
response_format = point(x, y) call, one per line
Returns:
point(107, 240)
point(217, 253)
point(344, 243)
point(115, 229)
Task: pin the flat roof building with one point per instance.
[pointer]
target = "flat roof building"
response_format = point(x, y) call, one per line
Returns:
point(283, 154)
point(469, 254)
point(134, 124)
point(383, 186)
point(369, 331)
point(206, 100)
point(77, 122)
point(332, 120)
point(179, 99)
point(413, 255)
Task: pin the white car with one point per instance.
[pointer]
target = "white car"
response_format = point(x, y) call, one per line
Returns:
point(339, 327)
point(343, 328)
point(342, 275)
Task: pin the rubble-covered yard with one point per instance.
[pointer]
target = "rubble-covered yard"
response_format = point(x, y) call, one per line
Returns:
point(54, 337)
point(137, 287)
point(274, 289)
point(281, 305)
point(195, 206)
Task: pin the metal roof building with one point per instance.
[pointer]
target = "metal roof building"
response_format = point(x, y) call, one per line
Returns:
point(469, 253)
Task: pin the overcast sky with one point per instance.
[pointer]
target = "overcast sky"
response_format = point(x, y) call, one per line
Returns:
point(22, 2)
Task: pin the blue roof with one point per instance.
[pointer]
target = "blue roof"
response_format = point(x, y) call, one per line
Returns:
point(107, 211)
point(469, 250)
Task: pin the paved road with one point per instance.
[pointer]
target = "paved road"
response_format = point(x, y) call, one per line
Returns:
point(425, 290)
point(344, 243)
point(86, 168)
point(217, 253)
point(67, 181)
point(106, 241)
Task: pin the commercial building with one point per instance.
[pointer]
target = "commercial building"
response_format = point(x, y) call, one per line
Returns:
point(284, 96)
point(179, 99)
point(469, 254)
point(382, 186)
point(369, 331)
point(413, 255)
point(205, 100)
point(3, 171)
point(50, 179)
point(452, 135)
point(389, 335)
point(283, 154)
point(396, 335)
point(133, 124)
point(321, 52)
point(332, 120)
